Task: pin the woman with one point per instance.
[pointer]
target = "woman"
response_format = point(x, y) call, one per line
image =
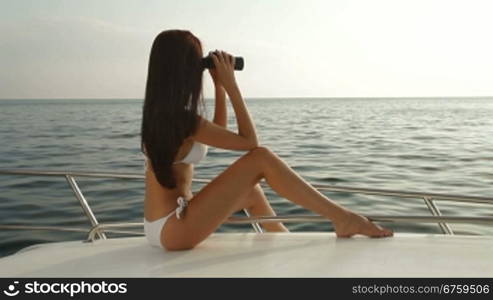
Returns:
point(174, 137)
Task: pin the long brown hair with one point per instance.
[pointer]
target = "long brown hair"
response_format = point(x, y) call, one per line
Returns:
point(173, 92)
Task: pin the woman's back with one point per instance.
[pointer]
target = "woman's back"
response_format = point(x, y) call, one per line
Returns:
point(160, 200)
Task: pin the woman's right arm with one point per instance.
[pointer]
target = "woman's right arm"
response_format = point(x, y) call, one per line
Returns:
point(217, 136)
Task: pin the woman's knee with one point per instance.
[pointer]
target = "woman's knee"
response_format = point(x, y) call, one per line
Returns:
point(260, 152)
point(256, 159)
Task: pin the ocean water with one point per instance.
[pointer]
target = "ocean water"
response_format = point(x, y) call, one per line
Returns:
point(429, 145)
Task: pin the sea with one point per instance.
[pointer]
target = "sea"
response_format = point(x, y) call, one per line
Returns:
point(434, 145)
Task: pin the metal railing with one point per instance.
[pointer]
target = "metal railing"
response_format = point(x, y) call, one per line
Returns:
point(98, 229)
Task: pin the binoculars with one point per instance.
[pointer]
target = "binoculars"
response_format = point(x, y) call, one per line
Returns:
point(208, 63)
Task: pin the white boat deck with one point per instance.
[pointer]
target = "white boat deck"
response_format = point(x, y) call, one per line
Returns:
point(261, 255)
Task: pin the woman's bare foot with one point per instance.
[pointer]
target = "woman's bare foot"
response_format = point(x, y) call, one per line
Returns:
point(356, 224)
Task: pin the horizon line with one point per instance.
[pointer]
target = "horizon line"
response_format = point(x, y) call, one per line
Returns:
point(272, 97)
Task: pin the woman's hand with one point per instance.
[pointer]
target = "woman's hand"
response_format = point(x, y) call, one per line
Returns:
point(223, 73)
point(214, 76)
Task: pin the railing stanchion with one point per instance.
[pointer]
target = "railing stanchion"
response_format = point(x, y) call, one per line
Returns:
point(256, 226)
point(436, 212)
point(83, 203)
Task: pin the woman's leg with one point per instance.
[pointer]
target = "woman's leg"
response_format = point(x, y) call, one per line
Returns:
point(212, 205)
point(258, 205)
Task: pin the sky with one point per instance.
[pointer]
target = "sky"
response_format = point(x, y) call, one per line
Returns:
point(346, 48)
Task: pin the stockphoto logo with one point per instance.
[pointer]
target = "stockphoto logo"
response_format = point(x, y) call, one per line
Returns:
point(71, 288)
point(11, 289)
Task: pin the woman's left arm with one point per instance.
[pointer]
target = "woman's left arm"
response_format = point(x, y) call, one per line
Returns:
point(221, 111)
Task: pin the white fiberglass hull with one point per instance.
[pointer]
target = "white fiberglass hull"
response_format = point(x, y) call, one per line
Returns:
point(261, 255)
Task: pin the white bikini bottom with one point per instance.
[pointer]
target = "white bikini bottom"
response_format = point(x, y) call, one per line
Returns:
point(152, 229)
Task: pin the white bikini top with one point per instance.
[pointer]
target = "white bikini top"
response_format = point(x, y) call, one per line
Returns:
point(196, 154)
